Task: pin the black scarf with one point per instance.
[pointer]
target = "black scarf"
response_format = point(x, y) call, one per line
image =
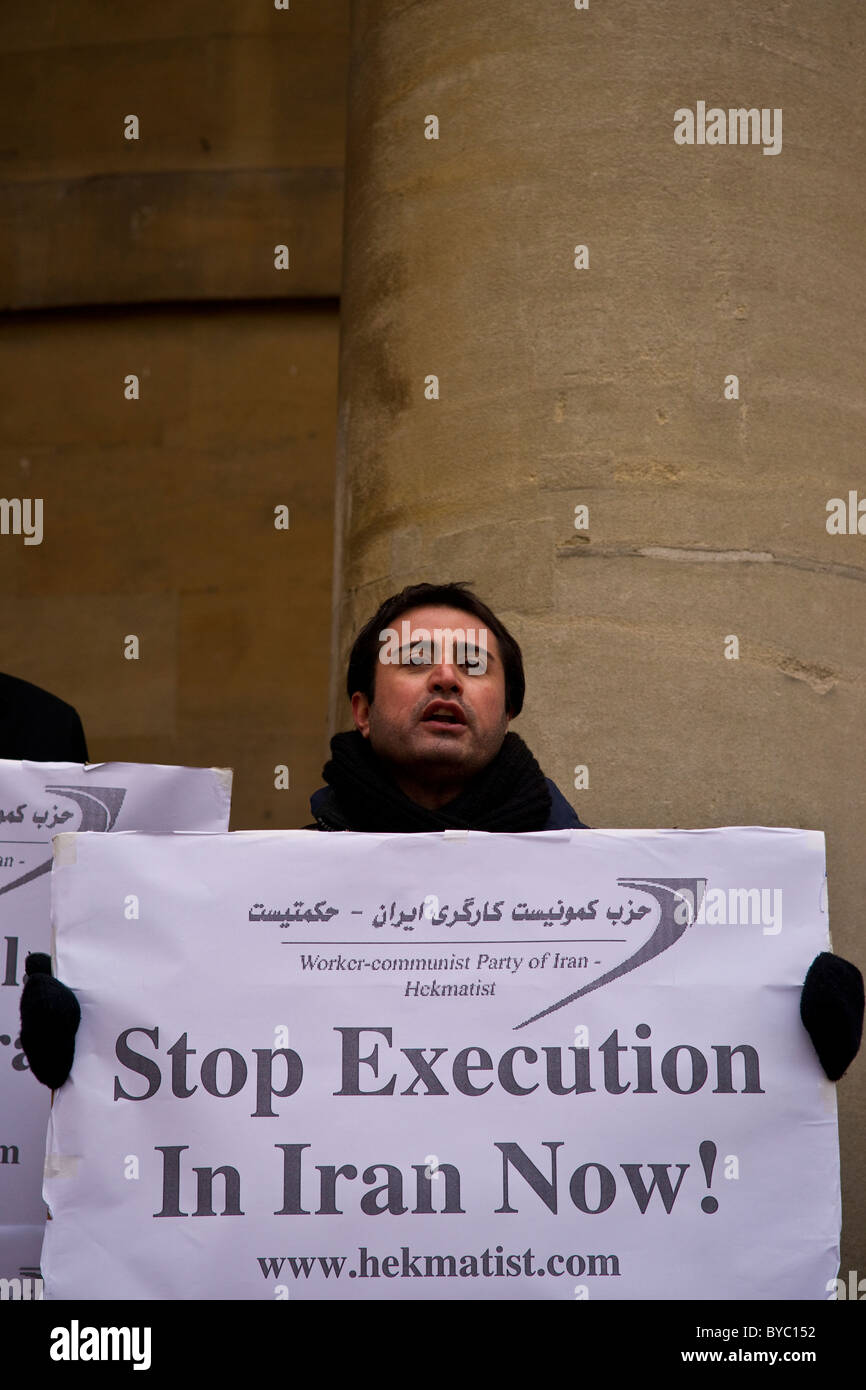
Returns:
point(509, 794)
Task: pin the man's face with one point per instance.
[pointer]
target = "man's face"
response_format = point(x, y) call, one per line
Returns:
point(433, 755)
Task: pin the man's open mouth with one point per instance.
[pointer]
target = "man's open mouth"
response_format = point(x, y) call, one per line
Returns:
point(443, 713)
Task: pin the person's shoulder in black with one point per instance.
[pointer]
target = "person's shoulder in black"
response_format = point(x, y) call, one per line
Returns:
point(38, 726)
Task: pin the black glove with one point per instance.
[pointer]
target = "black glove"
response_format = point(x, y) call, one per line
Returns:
point(831, 1007)
point(50, 1014)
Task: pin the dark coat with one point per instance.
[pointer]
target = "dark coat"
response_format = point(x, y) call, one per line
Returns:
point(323, 805)
point(37, 726)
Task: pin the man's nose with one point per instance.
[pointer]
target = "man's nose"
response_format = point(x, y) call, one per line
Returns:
point(445, 677)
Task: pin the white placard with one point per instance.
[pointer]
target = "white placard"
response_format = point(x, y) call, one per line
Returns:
point(563, 1065)
point(37, 802)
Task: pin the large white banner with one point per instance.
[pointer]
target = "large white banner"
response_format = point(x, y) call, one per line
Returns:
point(563, 1065)
point(37, 802)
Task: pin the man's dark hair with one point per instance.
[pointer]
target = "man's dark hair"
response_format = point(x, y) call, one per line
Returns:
point(361, 673)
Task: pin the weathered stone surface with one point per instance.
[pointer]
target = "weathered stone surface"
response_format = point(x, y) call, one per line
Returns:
point(605, 387)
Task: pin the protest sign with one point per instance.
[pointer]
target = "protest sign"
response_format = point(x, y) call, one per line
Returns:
point(561, 1065)
point(37, 802)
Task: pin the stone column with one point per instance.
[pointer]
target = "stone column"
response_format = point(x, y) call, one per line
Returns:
point(613, 377)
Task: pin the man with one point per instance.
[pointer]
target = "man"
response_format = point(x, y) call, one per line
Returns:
point(37, 726)
point(431, 749)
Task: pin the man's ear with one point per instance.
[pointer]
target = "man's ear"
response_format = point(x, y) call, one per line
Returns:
point(361, 712)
